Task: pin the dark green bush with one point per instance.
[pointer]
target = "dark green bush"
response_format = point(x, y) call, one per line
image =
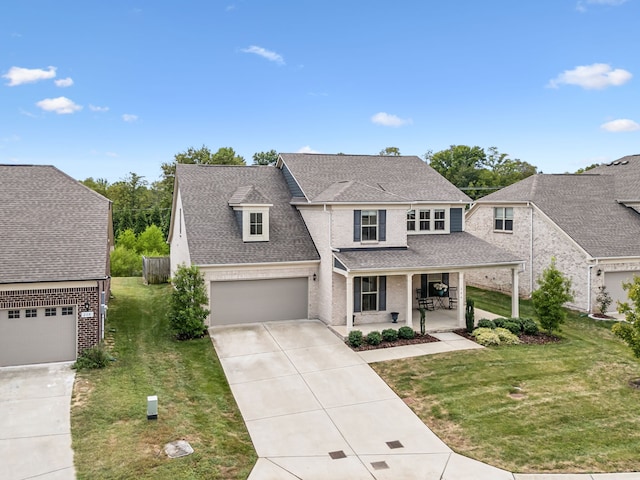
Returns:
point(355, 338)
point(389, 335)
point(374, 338)
point(94, 357)
point(513, 326)
point(530, 327)
point(485, 323)
point(406, 333)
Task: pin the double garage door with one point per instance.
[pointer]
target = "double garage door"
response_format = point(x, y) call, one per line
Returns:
point(613, 282)
point(249, 301)
point(37, 336)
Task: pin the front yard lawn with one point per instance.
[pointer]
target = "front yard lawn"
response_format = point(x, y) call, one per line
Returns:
point(559, 407)
point(112, 437)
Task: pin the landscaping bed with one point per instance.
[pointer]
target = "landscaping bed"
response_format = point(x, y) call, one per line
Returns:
point(419, 338)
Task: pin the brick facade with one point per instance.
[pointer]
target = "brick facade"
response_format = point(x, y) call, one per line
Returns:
point(88, 329)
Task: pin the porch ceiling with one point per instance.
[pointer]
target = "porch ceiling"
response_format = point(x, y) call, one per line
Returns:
point(459, 250)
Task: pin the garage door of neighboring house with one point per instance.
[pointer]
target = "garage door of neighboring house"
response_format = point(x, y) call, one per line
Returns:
point(248, 301)
point(613, 282)
point(37, 335)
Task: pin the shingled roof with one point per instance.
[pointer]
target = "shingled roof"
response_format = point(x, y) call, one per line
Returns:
point(626, 171)
point(585, 207)
point(52, 228)
point(213, 234)
point(457, 250)
point(325, 178)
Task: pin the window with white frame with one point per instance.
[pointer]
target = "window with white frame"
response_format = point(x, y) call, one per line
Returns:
point(369, 292)
point(411, 221)
point(369, 225)
point(425, 220)
point(503, 219)
point(255, 223)
point(439, 223)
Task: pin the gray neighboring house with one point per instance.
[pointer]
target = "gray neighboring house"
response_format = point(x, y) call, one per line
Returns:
point(341, 238)
point(55, 240)
point(589, 222)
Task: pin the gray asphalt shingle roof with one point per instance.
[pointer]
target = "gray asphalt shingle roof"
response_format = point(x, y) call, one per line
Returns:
point(53, 228)
point(626, 172)
point(458, 249)
point(213, 233)
point(585, 207)
point(392, 179)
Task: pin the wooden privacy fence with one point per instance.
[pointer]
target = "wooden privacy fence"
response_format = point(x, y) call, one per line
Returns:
point(155, 269)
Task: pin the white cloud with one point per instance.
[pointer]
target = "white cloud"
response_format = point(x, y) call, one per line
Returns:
point(59, 105)
point(130, 118)
point(19, 75)
point(581, 6)
point(592, 77)
point(64, 82)
point(94, 108)
point(264, 53)
point(621, 125)
point(388, 120)
point(307, 149)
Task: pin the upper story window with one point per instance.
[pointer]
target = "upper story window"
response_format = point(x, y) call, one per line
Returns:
point(255, 223)
point(369, 225)
point(503, 219)
point(439, 219)
point(411, 221)
point(425, 220)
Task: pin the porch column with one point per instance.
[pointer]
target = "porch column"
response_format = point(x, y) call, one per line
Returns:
point(349, 304)
point(461, 299)
point(515, 298)
point(409, 300)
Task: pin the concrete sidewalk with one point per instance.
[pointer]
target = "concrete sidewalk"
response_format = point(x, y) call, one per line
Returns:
point(315, 410)
point(35, 427)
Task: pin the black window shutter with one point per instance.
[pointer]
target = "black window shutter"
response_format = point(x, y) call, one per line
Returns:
point(445, 280)
point(357, 295)
point(382, 293)
point(382, 225)
point(357, 224)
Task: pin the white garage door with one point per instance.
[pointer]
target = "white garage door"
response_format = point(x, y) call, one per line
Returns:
point(248, 301)
point(40, 335)
point(613, 282)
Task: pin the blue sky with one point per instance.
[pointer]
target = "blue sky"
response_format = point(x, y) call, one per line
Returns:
point(102, 89)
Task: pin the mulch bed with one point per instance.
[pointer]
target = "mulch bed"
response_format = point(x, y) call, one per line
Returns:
point(539, 339)
point(426, 338)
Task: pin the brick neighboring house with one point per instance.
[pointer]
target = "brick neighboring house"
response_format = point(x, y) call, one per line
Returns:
point(589, 222)
point(333, 237)
point(55, 240)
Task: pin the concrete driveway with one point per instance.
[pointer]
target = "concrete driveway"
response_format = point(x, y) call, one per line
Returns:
point(35, 428)
point(315, 410)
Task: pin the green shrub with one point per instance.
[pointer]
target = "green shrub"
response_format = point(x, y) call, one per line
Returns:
point(486, 336)
point(125, 262)
point(94, 357)
point(374, 338)
point(406, 333)
point(485, 323)
point(499, 322)
point(389, 335)
point(506, 336)
point(186, 311)
point(355, 338)
point(529, 327)
point(512, 326)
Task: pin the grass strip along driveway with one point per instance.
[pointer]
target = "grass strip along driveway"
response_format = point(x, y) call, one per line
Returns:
point(559, 407)
point(112, 437)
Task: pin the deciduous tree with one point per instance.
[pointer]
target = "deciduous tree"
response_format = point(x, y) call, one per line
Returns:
point(630, 331)
point(265, 158)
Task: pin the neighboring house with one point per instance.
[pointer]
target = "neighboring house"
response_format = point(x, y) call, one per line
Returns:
point(55, 239)
point(334, 237)
point(589, 222)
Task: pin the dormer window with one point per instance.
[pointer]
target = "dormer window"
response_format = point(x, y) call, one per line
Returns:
point(255, 223)
point(252, 213)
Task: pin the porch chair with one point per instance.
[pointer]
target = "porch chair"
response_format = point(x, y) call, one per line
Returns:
point(426, 303)
point(453, 298)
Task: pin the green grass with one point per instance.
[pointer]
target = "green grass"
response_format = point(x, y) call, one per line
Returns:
point(112, 437)
point(578, 413)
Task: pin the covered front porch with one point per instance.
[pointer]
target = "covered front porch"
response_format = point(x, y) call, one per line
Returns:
point(440, 320)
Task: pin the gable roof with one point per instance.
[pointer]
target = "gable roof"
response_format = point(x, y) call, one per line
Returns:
point(248, 195)
point(386, 178)
point(584, 207)
point(213, 234)
point(53, 227)
point(626, 171)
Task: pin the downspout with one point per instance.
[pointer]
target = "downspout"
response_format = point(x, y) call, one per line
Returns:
point(589, 289)
point(531, 251)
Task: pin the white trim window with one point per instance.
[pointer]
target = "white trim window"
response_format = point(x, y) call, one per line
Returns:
point(503, 219)
point(411, 221)
point(369, 226)
point(425, 220)
point(369, 294)
point(439, 219)
point(255, 223)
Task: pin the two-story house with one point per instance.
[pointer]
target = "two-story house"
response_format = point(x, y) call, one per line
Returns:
point(356, 238)
point(589, 222)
